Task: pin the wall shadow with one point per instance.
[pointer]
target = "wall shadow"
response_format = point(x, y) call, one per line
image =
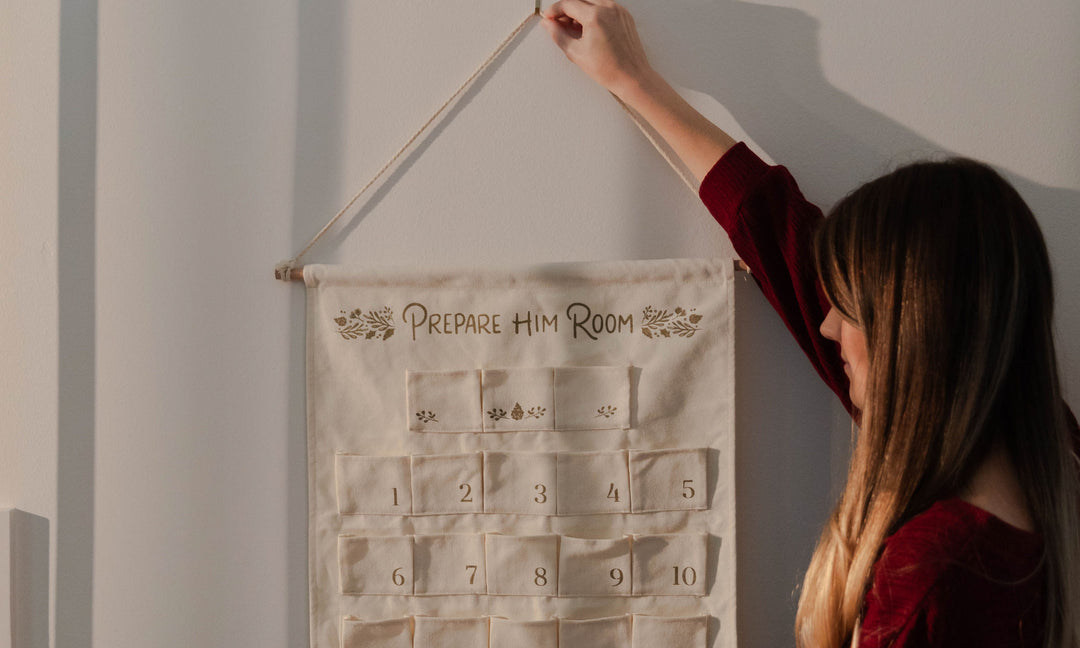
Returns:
point(30, 580)
point(763, 64)
point(321, 41)
point(76, 288)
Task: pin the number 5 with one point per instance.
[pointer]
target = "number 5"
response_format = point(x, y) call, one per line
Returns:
point(688, 489)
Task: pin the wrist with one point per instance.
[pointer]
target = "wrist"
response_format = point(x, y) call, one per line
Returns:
point(642, 88)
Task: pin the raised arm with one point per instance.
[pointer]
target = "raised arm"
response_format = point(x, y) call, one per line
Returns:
point(599, 36)
point(768, 221)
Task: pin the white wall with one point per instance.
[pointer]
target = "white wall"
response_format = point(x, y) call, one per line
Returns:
point(29, 196)
point(152, 397)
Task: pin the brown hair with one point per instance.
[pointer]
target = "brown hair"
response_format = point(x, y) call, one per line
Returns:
point(944, 267)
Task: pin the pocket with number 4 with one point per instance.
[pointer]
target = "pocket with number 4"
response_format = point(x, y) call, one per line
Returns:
point(593, 482)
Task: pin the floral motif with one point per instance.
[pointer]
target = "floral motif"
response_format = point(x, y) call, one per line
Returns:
point(607, 411)
point(374, 324)
point(518, 413)
point(664, 323)
point(426, 417)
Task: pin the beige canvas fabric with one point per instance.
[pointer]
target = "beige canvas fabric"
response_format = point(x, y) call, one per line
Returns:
point(524, 634)
point(396, 361)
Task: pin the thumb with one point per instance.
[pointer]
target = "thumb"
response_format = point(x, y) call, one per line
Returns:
point(564, 40)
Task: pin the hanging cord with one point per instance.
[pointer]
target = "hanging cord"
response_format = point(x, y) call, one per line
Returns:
point(290, 269)
point(284, 269)
point(656, 145)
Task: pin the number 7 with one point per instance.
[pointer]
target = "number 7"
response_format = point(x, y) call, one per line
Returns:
point(472, 574)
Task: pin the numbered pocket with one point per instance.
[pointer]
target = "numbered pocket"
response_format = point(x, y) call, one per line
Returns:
point(518, 482)
point(441, 632)
point(447, 484)
point(607, 632)
point(393, 633)
point(518, 399)
point(670, 565)
point(373, 485)
point(376, 565)
point(522, 565)
point(593, 482)
point(524, 634)
point(592, 398)
point(444, 401)
point(652, 631)
point(450, 564)
point(668, 480)
point(594, 567)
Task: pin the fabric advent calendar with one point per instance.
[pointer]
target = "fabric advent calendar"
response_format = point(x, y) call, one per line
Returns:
point(531, 458)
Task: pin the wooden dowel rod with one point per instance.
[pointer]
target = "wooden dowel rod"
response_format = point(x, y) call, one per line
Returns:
point(297, 274)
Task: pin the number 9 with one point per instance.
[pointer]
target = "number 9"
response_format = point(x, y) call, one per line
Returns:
point(617, 576)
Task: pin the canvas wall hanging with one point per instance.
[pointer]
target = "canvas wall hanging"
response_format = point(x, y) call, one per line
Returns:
point(535, 457)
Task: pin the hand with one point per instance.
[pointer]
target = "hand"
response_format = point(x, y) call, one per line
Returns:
point(599, 36)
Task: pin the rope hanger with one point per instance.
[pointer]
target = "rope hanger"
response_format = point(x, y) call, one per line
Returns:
point(292, 270)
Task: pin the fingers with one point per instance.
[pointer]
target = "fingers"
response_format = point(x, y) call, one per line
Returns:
point(562, 32)
point(582, 11)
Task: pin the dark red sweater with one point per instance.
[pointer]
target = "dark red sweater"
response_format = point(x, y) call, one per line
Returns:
point(953, 575)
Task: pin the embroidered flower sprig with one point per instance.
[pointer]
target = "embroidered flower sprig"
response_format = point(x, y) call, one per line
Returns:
point(665, 323)
point(607, 411)
point(518, 413)
point(374, 324)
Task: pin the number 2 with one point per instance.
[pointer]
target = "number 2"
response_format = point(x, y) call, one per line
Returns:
point(467, 497)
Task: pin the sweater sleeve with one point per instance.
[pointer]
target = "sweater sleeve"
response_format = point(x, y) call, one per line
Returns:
point(771, 227)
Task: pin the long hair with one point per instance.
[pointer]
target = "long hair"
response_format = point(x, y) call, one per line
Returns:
point(944, 267)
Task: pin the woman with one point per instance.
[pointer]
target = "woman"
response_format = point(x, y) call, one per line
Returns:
point(959, 521)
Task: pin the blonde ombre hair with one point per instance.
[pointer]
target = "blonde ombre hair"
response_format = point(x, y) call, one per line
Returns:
point(945, 269)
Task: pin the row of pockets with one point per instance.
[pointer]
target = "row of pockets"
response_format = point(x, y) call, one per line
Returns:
point(543, 483)
point(630, 631)
point(511, 400)
point(542, 565)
